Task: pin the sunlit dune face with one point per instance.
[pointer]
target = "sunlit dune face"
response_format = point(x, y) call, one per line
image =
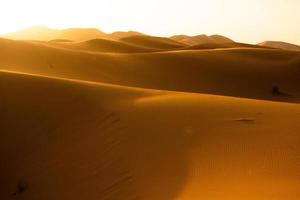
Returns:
point(247, 21)
point(127, 115)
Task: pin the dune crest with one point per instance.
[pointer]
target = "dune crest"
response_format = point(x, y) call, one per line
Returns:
point(153, 42)
point(201, 39)
point(280, 45)
point(103, 46)
point(47, 34)
point(121, 34)
point(202, 71)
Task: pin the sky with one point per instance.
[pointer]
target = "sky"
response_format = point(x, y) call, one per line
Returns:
point(249, 21)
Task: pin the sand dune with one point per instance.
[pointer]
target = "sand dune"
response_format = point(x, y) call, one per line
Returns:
point(201, 39)
point(64, 139)
point(121, 34)
point(220, 39)
point(240, 72)
point(77, 34)
point(60, 40)
point(153, 42)
point(89, 115)
point(40, 33)
point(223, 45)
point(103, 45)
point(117, 46)
point(280, 45)
point(46, 34)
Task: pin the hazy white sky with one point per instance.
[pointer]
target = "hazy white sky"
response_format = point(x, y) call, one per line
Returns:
point(243, 20)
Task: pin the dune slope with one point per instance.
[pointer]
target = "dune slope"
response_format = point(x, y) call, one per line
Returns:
point(241, 72)
point(65, 139)
point(153, 42)
point(214, 45)
point(47, 34)
point(201, 39)
point(280, 45)
point(121, 34)
point(102, 46)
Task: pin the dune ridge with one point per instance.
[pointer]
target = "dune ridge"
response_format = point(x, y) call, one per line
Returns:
point(77, 34)
point(123, 34)
point(257, 71)
point(224, 45)
point(280, 45)
point(153, 42)
point(104, 46)
point(201, 39)
point(47, 34)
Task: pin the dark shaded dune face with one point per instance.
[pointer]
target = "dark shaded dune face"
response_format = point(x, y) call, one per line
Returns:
point(153, 42)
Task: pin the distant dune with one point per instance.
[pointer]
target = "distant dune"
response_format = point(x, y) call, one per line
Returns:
point(201, 39)
point(223, 45)
point(102, 45)
point(46, 34)
point(41, 33)
point(153, 42)
point(82, 34)
point(120, 34)
point(77, 34)
point(240, 72)
point(280, 45)
point(220, 39)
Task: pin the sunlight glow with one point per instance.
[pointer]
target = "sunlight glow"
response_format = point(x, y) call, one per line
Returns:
point(247, 20)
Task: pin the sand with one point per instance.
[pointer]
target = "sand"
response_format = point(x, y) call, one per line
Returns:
point(280, 45)
point(239, 72)
point(146, 118)
point(201, 39)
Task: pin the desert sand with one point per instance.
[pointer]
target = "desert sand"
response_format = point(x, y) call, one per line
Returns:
point(144, 117)
point(201, 39)
point(280, 45)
